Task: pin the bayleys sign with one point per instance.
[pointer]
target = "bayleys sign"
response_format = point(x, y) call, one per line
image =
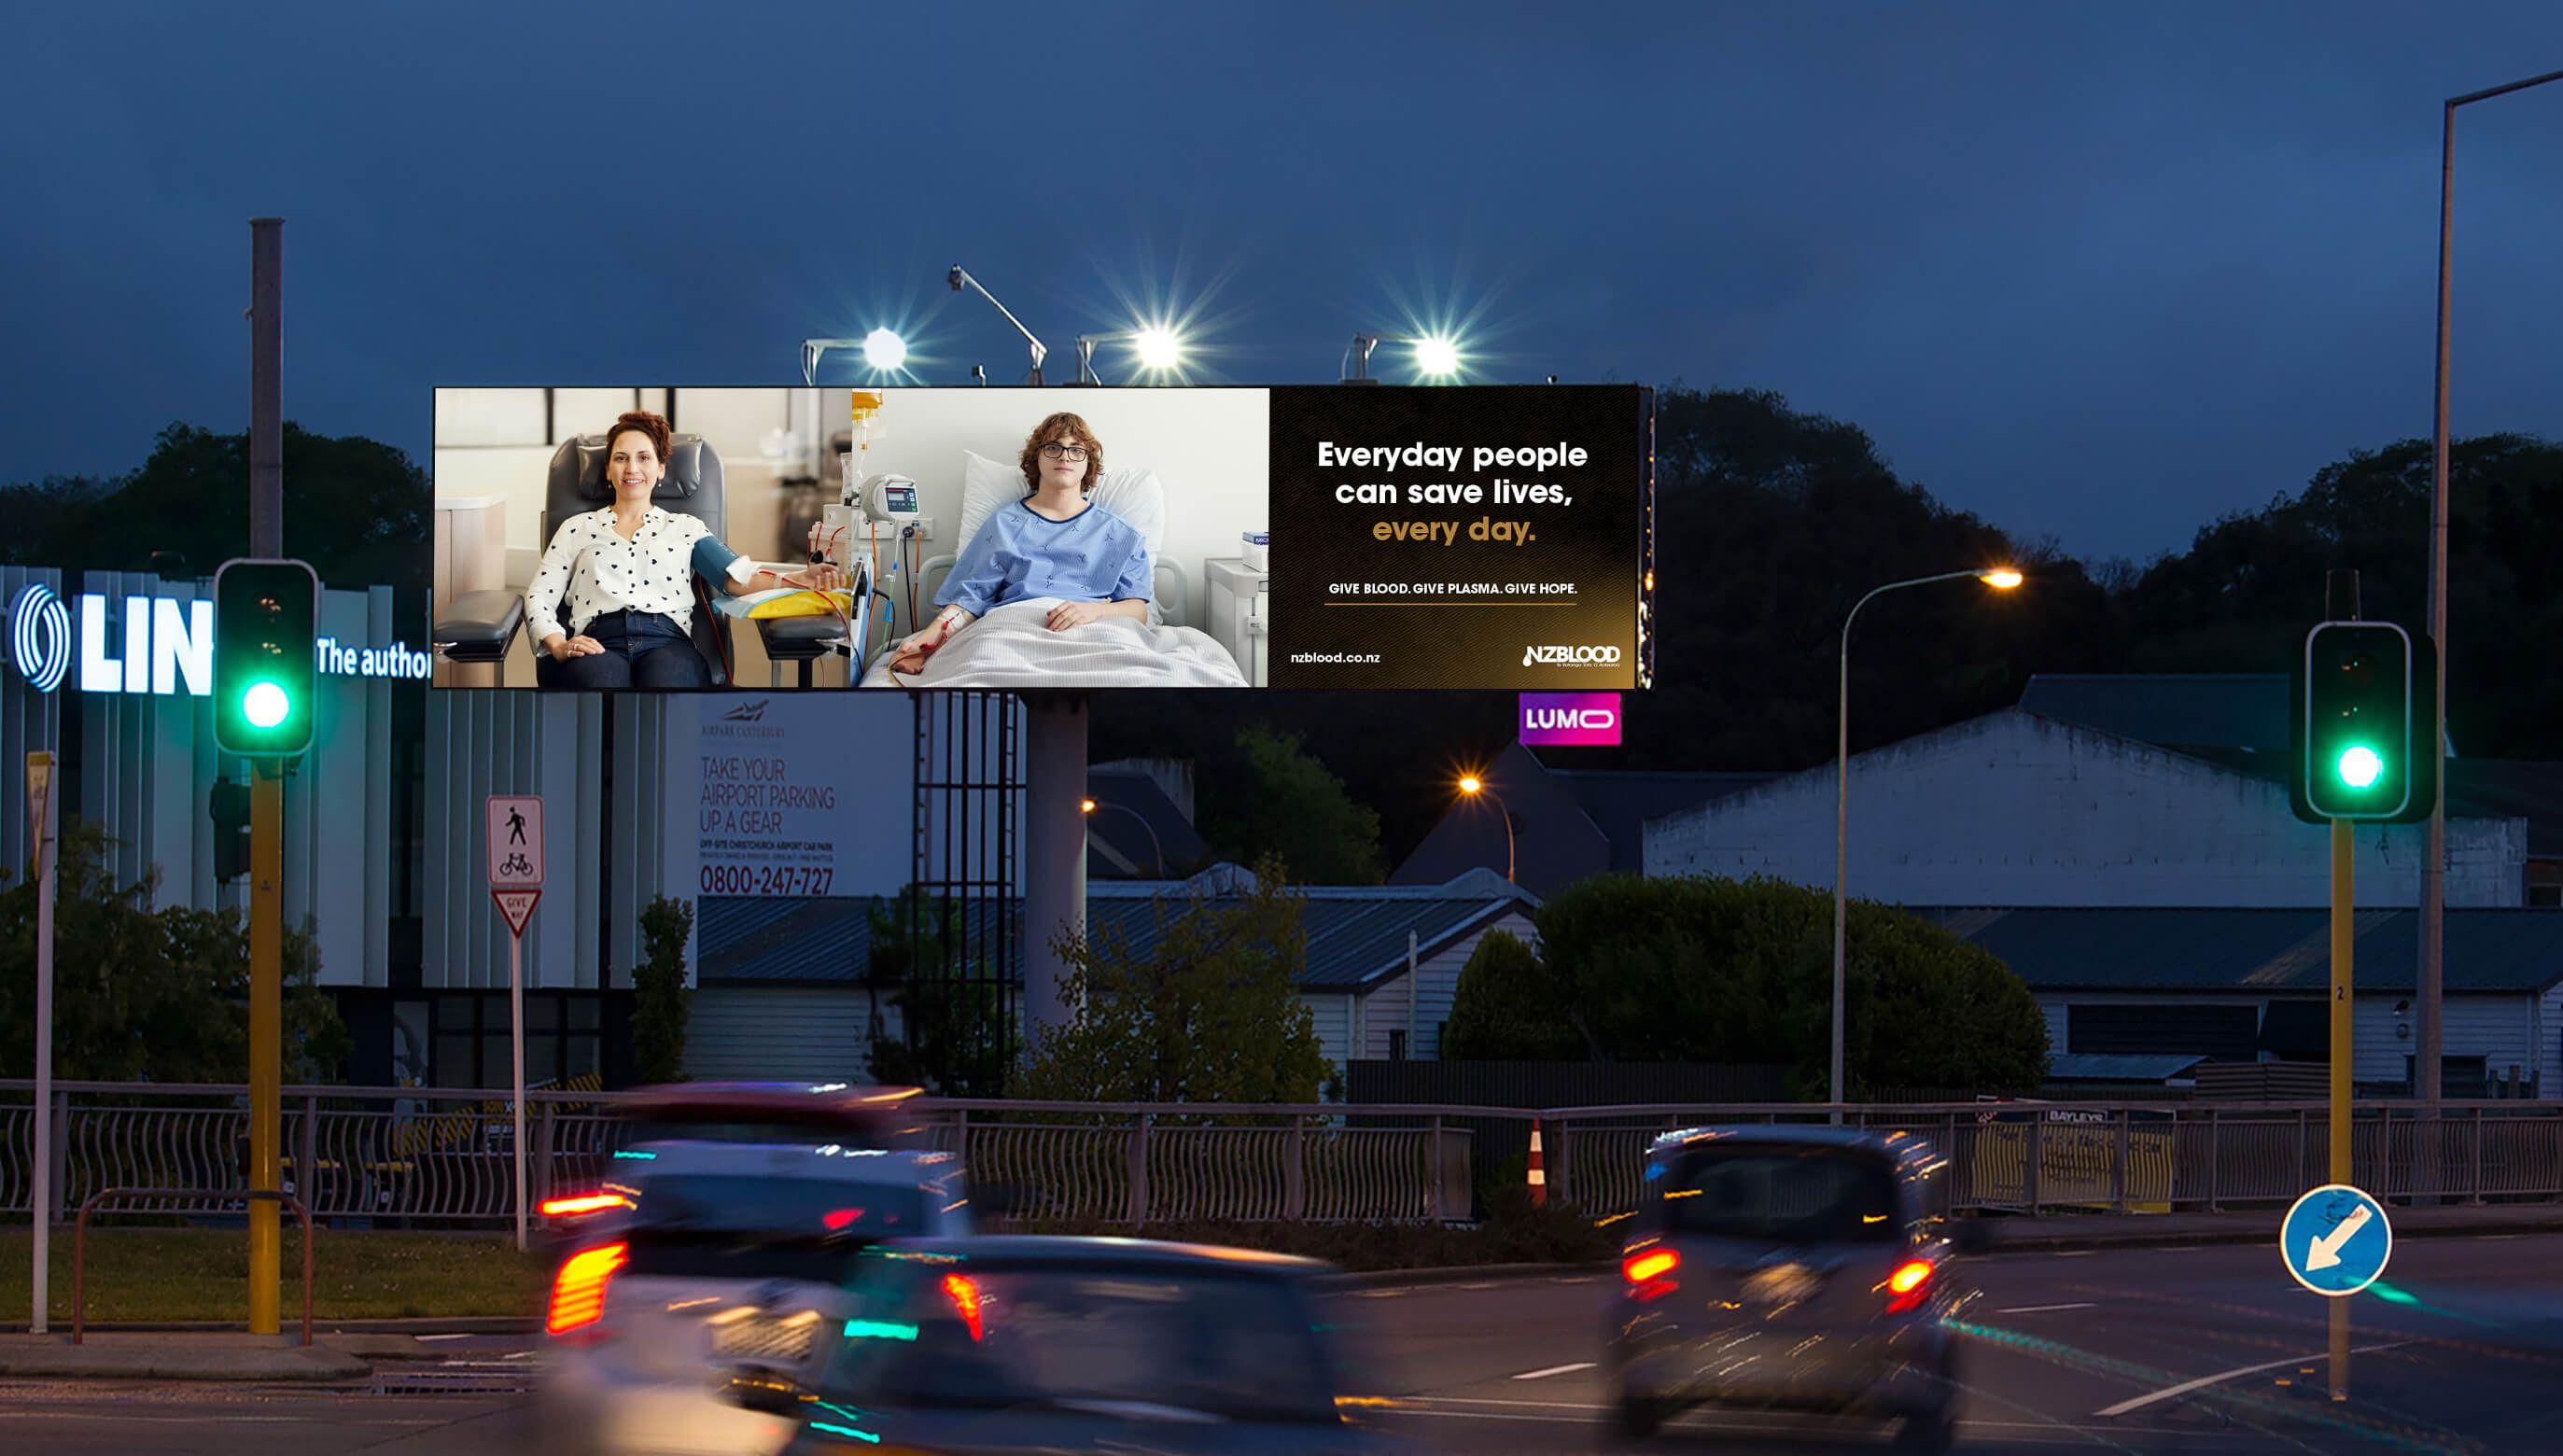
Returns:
point(165, 646)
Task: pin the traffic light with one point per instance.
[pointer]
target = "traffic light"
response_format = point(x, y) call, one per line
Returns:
point(2363, 724)
point(264, 673)
point(230, 807)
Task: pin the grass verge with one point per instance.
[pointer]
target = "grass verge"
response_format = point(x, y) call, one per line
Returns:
point(183, 1273)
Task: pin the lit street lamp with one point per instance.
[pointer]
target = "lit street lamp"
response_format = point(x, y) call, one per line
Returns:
point(1436, 356)
point(884, 352)
point(1088, 806)
point(960, 280)
point(2001, 578)
point(1472, 785)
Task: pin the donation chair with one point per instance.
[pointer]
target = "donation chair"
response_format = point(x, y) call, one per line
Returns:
point(482, 626)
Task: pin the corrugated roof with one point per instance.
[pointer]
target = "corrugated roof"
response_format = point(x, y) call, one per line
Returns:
point(2265, 951)
point(1357, 934)
point(2117, 1067)
point(747, 938)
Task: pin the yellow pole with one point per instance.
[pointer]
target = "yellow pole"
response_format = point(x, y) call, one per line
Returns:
point(2342, 901)
point(266, 1035)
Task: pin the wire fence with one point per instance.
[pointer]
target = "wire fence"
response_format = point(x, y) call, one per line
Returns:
point(442, 1157)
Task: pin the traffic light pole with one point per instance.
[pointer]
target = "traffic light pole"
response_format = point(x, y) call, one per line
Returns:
point(267, 788)
point(2342, 903)
point(266, 1035)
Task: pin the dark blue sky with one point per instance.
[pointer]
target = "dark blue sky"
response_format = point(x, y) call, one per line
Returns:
point(2100, 272)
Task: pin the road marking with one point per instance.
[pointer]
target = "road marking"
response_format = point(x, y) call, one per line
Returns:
point(2185, 1387)
point(2485, 1238)
point(2045, 1309)
point(464, 1336)
point(1724, 1420)
point(1582, 1364)
point(2072, 1254)
point(1377, 1294)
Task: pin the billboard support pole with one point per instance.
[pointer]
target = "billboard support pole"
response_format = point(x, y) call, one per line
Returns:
point(1054, 853)
point(40, 779)
point(267, 788)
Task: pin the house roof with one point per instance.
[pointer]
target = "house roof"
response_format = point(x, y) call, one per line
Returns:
point(1357, 934)
point(2238, 721)
point(2117, 1067)
point(2267, 952)
point(2243, 713)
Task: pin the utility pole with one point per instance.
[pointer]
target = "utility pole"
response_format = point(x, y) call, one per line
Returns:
point(2342, 587)
point(267, 791)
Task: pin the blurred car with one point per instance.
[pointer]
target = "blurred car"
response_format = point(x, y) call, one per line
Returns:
point(722, 1242)
point(1037, 1344)
point(1785, 1268)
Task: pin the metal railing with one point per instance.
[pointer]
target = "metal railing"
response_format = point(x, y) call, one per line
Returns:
point(88, 1205)
point(431, 1157)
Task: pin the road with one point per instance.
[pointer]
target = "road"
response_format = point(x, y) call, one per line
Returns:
point(2208, 1349)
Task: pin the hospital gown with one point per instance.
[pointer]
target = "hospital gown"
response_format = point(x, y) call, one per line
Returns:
point(1018, 554)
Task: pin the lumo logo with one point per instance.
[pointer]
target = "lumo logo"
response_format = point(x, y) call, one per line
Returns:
point(1573, 719)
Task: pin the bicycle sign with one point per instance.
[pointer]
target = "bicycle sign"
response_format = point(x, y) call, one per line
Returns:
point(515, 840)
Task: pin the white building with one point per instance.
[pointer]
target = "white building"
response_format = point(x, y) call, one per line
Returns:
point(2016, 809)
point(2126, 846)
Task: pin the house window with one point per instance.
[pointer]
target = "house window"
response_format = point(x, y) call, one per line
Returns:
point(1397, 1045)
point(2458, 1077)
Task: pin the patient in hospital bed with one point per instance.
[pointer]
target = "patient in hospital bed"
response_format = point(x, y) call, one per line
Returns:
point(1056, 558)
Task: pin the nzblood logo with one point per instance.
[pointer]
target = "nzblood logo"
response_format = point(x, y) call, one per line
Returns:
point(1573, 657)
point(40, 637)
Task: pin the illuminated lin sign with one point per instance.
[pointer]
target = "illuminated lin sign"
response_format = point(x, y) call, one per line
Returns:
point(165, 646)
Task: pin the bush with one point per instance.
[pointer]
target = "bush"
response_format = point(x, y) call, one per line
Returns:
point(1704, 970)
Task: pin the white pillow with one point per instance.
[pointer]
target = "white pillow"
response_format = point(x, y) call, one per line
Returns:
point(1133, 492)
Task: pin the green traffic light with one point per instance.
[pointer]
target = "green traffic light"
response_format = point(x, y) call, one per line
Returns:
point(2360, 767)
point(265, 705)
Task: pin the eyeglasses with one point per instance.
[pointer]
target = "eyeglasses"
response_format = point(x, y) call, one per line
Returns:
point(1073, 454)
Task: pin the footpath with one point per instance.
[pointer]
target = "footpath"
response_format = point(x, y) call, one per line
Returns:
point(353, 1349)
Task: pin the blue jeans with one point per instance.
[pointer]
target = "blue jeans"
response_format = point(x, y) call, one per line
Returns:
point(641, 649)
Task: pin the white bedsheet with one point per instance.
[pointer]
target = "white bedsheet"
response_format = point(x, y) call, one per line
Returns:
point(1011, 648)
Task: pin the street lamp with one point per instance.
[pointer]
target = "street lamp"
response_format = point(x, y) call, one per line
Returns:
point(1472, 787)
point(1437, 356)
point(2434, 857)
point(2000, 578)
point(884, 352)
point(1088, 806)
point(961, 280)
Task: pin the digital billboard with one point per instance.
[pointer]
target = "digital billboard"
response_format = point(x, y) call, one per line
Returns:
point(1371, 537)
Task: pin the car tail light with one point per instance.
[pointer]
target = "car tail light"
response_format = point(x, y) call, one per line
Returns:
point(578, 1203)
point(1908, 1286)
point(1646, 1266)
point(578, 1290)
point(964, 1293)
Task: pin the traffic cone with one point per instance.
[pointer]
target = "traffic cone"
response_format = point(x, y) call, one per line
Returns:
point(1538, 1175)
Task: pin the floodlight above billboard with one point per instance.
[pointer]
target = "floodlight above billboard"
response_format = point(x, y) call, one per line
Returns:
point(1494, 537)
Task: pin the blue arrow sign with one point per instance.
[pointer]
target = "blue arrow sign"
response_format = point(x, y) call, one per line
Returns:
point(2336, 1240)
